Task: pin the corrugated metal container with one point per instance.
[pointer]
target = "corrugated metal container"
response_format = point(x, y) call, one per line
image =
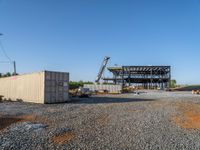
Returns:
point(42, 87)
point(109, 88)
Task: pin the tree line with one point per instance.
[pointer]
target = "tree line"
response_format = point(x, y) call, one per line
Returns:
point(172, 83)
point(77, 84)
point(8, 74)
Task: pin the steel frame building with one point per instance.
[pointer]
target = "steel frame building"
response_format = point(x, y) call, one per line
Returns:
point(147, 77)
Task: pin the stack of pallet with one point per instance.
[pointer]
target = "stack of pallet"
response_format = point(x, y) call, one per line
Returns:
point(195, 91)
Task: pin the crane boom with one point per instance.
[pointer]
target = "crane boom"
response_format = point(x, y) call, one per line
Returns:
point(102, 69)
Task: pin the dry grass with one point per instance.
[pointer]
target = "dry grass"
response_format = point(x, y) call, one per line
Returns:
point(63, 138)
point(189, 117)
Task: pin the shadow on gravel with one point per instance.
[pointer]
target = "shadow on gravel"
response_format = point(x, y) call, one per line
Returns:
point(99, 100)
point(6, 121)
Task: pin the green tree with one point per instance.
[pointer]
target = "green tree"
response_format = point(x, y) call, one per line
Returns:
point(172, 83)
point(13, 74)
point(8, 74)
point(75, 84)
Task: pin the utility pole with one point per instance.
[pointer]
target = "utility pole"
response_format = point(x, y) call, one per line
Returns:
point(14, 65)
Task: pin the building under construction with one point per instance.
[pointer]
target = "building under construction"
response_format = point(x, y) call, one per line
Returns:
point(147, 77)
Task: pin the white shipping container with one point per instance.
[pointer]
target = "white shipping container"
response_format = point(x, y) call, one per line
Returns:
point(42, 87)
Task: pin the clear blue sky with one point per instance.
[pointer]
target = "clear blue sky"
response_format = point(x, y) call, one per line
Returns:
point(75, 35)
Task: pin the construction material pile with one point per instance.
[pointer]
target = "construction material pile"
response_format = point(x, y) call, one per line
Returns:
point(197, 92)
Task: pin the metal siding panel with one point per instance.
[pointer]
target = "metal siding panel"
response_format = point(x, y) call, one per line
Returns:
point(57, 87)
point(27, 87)
point(42, 87)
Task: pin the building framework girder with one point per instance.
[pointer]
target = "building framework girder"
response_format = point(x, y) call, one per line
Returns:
point(146, 76)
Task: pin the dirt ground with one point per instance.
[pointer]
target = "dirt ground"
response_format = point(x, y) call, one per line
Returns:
point(150, 120)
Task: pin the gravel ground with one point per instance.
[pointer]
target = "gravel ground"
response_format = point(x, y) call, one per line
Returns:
point(150, 120)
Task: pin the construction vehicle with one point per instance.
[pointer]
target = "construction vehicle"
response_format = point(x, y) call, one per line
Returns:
point(128, 89)
point(80, 92)
point(84, 92)
point(197, 92)
point(102, 69)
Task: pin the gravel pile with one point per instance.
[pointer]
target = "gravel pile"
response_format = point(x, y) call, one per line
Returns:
point(126, 121)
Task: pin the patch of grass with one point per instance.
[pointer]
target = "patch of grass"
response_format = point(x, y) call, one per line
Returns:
point(188, 88)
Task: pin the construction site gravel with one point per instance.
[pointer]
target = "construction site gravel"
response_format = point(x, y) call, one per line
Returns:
point(148, 120)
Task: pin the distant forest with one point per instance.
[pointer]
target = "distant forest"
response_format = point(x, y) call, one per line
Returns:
point(8, 74)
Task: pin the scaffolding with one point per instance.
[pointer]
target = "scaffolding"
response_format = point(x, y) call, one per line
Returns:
point(147, 77)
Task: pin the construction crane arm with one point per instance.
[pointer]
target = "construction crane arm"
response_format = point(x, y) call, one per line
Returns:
point(102, 69)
